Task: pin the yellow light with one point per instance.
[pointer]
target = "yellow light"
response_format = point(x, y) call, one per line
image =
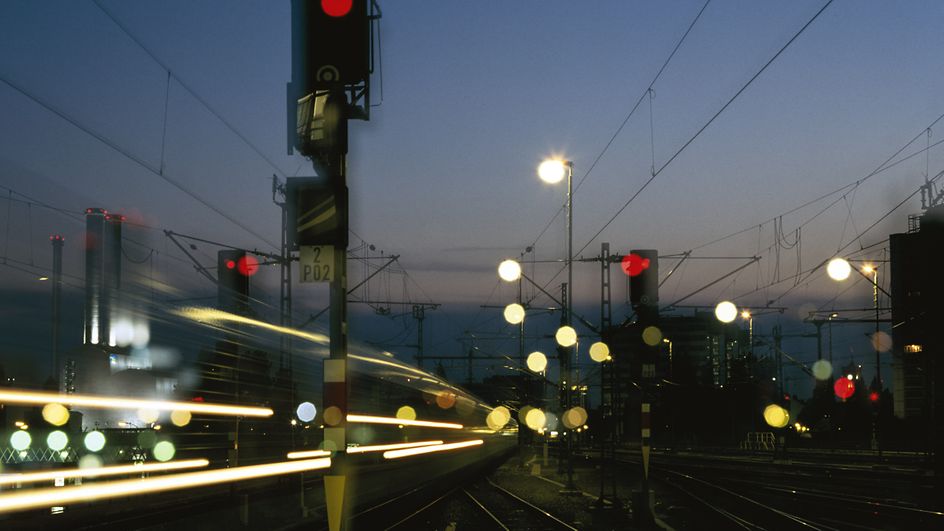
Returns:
point(913, 349)
point(509, 270)
point(776, 416)
point(552, 171)
point(117, 402)
point(599, 352)
point(498, 418)
point(726, 311)
point(385, 447)
point(745, 314)
point(535, 419)
point(57, 496)
point(652, 336)
point(394, 454)
point(118, 470)
point(211, 315)
point(537, 361)
point(55, 414)
point(514, 313)
point(868, 268)
point(574, 417)
point(19, 423)
point(182, 418)
point(566, 336)
point(43, 278)
point(369, 419)
point(406, 413)
point(838, 269)
point(306, 454)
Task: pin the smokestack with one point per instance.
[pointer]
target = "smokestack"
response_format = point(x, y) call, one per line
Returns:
point(57, 242)
point(111, 304)
point(94, 274)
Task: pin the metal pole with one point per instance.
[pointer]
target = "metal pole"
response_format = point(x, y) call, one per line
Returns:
point(57, 242)
point(570, 311)
point(875, 340)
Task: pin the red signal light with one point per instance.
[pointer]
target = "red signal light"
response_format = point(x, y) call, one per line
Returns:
point(336, 8)
point(844, 388)
point(230, 264)
point(873, 396)
point(633, 264)
point(247, 265)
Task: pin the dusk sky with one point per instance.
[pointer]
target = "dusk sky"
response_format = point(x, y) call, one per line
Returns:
point(472, 96)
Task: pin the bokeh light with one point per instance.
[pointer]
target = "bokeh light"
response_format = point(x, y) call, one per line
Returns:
point(726, 311)
point(822, 370)
point(306, 412)
point(838, 269)
point(599, 352)
point(552, 171)
point(180, 417)
point(537, 361)
point(55, 414)
point(550, 421)
point(881, 341)
point(497, 418)
point(20, 440)
point(523, 413)
point(406, 413)
point(445, 399)
point(566, 336)
point(90, 461)
point(776, 416)
point(573, 417)
point(633, 265)
point(652, 336)
point(247, 265)
point(148, 416)
point(57, 440)
point(164, 451)
point(332, 415)
point(514, 313)
point(94, 440)
point(844, 388)
point(509, 270)
point(535, 419)
point(147, 438)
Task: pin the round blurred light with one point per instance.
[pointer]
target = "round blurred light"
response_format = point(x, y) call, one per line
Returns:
point(445, 399)
point(180, 417)
point(633, 265)
point(20, 440)
point(514, 313)
point(652, 336)
point(822, 370)
point(574, 417)
point(497, 418)
point(90, 461)
point(306, 412)
point(94, 441)
point(57, 440)
point(776, 416)
point(552, 171)
point(844, 388)
point(745, 314)
point(55, 414)
point(406, 413)
point(509, 270)
point(881, 341)
point(164, 451)
point(599, 352)
point(535, 419)
point(838, 269)
point(726, 311)
point(332, 415)
point(566, 336)
point(550, 421)
point(537, 361)
point(523, 413)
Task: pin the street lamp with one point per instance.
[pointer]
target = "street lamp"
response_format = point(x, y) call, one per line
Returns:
point(726, 311)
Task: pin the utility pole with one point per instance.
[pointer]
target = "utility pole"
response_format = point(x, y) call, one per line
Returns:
point(57, 242)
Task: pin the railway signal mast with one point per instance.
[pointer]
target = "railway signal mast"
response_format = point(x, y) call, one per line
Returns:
point(331, 66)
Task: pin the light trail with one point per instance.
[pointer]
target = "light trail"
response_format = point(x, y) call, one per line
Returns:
point(305, 454)
point(211, 315)
point(384, 447)
point(118, 402)
point(51, 475)
point(394, 454)
point(368, 419)
point(61, 496)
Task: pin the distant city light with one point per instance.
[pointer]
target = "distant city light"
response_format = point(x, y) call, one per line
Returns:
point(509, 270)
point(838, 269)
point(726, 311)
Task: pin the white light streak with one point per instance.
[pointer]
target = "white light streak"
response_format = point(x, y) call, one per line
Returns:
point(60, 496)
point(404, 422)
point(385, 447)
point(394, 454)
point(306, 454)
point(118, 402)
point(212, 315)
point(52, 475)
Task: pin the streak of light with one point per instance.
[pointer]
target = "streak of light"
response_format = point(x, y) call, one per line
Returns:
point(117, 402)
point(211, 315)
point(34, 477)
point(385, 447)
point(394, 454)
point(403, 422)
point(59, 496)
point(305, 454)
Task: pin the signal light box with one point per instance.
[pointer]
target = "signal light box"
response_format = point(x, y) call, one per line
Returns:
point(338, 42)
point(317, 212)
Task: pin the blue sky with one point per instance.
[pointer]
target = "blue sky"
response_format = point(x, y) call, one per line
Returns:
point(474, 96)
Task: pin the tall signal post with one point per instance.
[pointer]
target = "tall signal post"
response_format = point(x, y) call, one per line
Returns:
point(331, 65)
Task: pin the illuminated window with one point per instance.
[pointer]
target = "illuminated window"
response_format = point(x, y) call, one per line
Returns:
point(913, 348)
